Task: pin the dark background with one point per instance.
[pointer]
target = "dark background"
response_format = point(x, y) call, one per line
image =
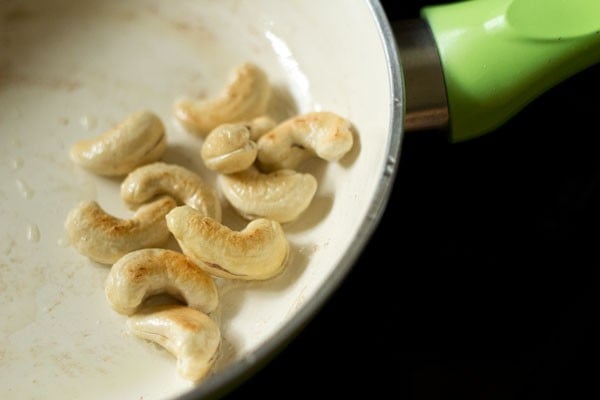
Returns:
point(480, 282)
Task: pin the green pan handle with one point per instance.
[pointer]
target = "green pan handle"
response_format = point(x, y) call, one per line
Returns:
point(499, 55)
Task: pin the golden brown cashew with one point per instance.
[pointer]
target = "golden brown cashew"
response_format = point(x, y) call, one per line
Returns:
point(259, 251)
point(105, 238)
point(138, 140)
point(184, 185)
point(280, 195)
point(246, 96)
point(322, 134)
point(190, 335)
point(147, 272)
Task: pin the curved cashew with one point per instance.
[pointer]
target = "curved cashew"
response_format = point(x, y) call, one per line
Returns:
point(228, 148)
point(280, 195)
point(259, 251)
point(322, 134)
point(231, 147)
point(138, 140)
point(146, 272)
point(184, 185)
point(105, 238)
point(246, 96)
point(190, 335)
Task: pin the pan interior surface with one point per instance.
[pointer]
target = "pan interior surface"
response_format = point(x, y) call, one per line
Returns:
point(70, 70)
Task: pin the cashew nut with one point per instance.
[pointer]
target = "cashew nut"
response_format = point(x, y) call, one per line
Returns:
point(147, 272)
point(259, 251)
point(231, 147)
point(246, 96)
point(281, 195)
point(228, 148)
point(105, 238)
point(322, 134)
point(190, 335)
point(184, 185)
point(138, 140)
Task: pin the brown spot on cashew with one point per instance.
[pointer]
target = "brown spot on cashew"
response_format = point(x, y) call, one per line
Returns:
point(147, 272)
point(257, 252)
point(246, 96)
point(105, 238)
point(322, 134)
point(190, 335)
point(281, 195)
point(184, 185)
point(137, 140)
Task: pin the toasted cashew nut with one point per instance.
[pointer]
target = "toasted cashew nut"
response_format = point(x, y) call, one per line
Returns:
point(259, 251)
point(281, 195)
point(246, 96)
point(231, 147)
point(190, 335)
point(137, 140)
point(184, 185)
point(105, 238)
point(322, 134)
point(228, 148)
point(146, 272)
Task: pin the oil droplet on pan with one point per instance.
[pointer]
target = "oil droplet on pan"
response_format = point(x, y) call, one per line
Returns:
point(63, 241)
point(16, 163)
point(88, 122)
point(33, 233)
point(24, 189)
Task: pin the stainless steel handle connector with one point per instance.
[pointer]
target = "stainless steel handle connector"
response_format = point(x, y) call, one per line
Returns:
point(424, 85)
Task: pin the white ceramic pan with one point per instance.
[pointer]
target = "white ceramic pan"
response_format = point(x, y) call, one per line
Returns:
point(71, 70)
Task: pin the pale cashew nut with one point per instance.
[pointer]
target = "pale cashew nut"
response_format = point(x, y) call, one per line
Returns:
point(228, 149)
point(281, 195)
point(188, 334)
point(231, 147)
point(143, 273)
point(246, 96)
point(322, 134)
point(259, 251)
point(184, 185)
point(105, 238)
point(137, 140)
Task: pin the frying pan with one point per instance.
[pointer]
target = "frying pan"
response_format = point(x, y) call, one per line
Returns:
point(72, 69)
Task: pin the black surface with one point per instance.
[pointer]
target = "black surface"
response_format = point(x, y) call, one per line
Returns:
point(481, 281)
